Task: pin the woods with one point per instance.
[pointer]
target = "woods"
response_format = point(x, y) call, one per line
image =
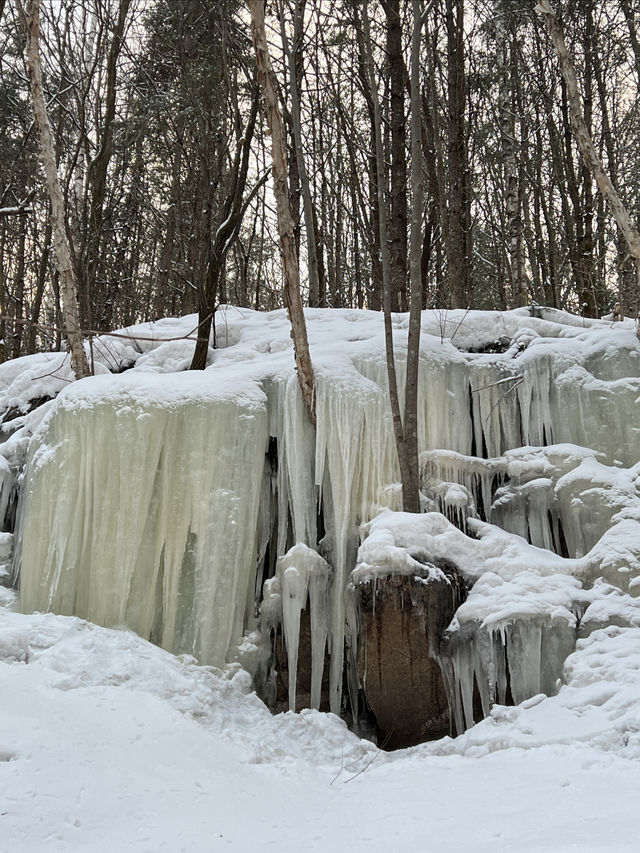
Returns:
point(352, 288)
point(163, 159)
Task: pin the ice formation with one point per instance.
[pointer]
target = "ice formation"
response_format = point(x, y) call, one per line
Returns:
point(191, 507)
point(174, 560)
point(301, 575)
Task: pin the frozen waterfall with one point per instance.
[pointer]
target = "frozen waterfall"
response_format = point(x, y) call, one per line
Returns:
point(163, 501)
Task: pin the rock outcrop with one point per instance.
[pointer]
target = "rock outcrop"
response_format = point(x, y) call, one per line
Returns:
point(402, 618)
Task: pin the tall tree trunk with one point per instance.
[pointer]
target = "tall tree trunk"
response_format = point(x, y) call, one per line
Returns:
point(218, 245)
point(98, 169)
point(629, 302)
point(507, 70)
point(398, 214)
point(437, 170)
point(40, 285)
point(376, 291)
point(285, 220)
point(68, 289)
point(17, 296)
point(307, 202)
point(407, 477)
point(459, 255)
point(626, 266)
point(411, 489)
point(627, 8)
point(4, 351)
point(166, 255)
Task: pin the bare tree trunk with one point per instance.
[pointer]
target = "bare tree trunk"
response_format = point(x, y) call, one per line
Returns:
point(98, 169)
point(398, 215)
point(4, 350)
point(633, 33)
point(376, 289)
point(459, 259)
point(232, 212)
point(166, 255)
point(589, 153)
point(625, 265)
point(411, 489)
point(507, 70)
point(36, 306)
point(68, 289)
point(437, 170)
point(406, 476)
point(17, 296)
point(307, 202)
point(285, 220)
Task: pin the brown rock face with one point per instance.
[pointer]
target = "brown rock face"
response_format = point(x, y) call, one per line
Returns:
point(402, 620)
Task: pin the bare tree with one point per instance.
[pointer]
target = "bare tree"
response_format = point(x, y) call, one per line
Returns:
point(629, 302)
point(398, 150)
point(507, 71)
point(285, 220)
point(411, 493)
point(233, 208)
point(68, 285)
point(405, 433)
point(307, 202)
point(460, 249)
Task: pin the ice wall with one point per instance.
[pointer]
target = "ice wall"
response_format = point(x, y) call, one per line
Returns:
point(139, 508)
point(163, 502)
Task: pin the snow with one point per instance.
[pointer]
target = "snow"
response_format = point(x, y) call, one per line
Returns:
point(159, 500)
point(108, 743)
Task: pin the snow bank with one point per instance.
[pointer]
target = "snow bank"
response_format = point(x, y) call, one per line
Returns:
point(108, 743)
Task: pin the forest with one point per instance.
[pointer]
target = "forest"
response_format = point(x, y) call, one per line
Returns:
point(163, 156)
point(319, 388)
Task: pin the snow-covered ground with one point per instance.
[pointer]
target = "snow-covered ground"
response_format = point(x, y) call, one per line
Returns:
point(108, 743)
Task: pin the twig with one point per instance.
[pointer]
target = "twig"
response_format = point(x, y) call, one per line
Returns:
point(520, 380)
point(499, 382)
point(54, 371)
point(370, 762)
point(96, 333)
point(341, 766)
point(462, 319)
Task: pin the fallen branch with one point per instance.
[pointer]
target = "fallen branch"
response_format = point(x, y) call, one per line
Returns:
point(94, 333)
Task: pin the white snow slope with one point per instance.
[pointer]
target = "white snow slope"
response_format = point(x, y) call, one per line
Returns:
point(109, 743)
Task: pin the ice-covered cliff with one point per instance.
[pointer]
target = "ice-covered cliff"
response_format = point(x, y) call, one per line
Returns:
point(164, 499)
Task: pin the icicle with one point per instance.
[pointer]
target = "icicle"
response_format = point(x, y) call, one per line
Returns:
point(318, 599)
point(303, 573)
point(271, 607)
point(7, 486)
point(294, 601)
point(524, 640)
point(465, 674)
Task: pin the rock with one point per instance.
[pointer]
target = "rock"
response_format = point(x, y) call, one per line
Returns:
point(402, 619)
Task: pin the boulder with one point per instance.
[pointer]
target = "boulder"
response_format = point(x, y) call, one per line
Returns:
point(402, 618)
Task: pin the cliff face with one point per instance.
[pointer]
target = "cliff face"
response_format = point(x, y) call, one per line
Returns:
point(171, 502)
